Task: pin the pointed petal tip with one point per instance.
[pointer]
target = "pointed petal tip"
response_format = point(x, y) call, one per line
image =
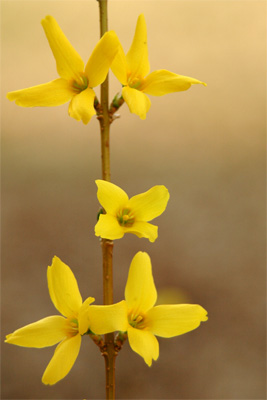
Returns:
point(141, 17)
point(7, 339)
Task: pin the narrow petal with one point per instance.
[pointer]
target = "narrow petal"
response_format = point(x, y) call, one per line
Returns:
point(101, 58)
point(140, 291)
point(110, 196)
point(144, 343)
point(49, 94)
point(108, 227)
point(82, 106)
point(174, 320)
point(119, 66)
point(63, 288)
point(105, 319)
point(143, 229)
point(150, 204)
point(137, 56)
point(69, 63)
point(162, 82)
point(43, 333)
point(137, 101)
point(83, 322)
point(62, 361)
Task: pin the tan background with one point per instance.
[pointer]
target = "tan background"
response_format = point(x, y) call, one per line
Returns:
point(206, 145)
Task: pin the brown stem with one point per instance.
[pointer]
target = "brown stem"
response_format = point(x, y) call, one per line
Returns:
point(108, 352)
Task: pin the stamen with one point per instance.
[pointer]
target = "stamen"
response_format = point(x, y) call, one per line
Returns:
point(72, 327)
point(136, 321)
point(81, 85)
point(125, 217)
point(135, 83)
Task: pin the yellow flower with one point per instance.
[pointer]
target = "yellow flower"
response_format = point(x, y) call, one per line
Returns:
point(131, 70)
point(68, 328)
point(76, 82)
point(129, 215)
point(145, 321)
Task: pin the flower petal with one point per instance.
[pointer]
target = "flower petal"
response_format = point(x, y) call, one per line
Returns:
point(144, 343)
point(162, 82)
point(63, 288)
point(137, 101)
point(150, 204)
point(110, 196)
point(69, 63)
point(105, 319)
point(143, 229)
point(140, 291)
point(82, 106)
point(137, 56)
point(119, 66)
point(43, 333)
point(174, 320)
point(49, 94)
point(108, 227)
point(101, 58)
point(62, 361)
point(83, 322)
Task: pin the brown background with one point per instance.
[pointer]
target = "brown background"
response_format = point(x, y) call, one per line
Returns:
point(205, 145)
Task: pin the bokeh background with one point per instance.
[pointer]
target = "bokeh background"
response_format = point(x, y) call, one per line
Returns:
point(206, 145)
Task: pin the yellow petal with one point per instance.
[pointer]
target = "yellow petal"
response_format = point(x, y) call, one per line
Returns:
point(43, 333)
point(140, 291)
point(108, 227)
point(137, 56)
point(174, 320)
point(105, 319)
point(49, 94)
point(101, 58)
point(119, 66)
point(137, 101)
point(69, 63)
point(110, 196)
point(83, 322)
point(63, 288)
point(143, 229)
point(62, 361)
point(162, 82)
point(82, 106)
point(150, 204)
point(144, 343)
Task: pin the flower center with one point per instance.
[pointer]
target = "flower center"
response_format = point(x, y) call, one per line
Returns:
point(135, 83)
point(125, 217)
point(72, 327)
point(136, 321)
point(80, 85)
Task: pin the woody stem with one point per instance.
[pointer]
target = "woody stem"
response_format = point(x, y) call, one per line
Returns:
point(109, 352)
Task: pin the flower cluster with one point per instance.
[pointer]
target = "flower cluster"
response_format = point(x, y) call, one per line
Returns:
point(76, 82)
point(136, 315)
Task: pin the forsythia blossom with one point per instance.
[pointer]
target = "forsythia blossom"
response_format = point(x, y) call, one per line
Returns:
point(76, 82)
point(145, 321)
point(67, 329)
point(132, 72)
point(124, 215)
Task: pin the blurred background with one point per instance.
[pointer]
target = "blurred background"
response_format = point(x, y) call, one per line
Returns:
point(206, 145)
